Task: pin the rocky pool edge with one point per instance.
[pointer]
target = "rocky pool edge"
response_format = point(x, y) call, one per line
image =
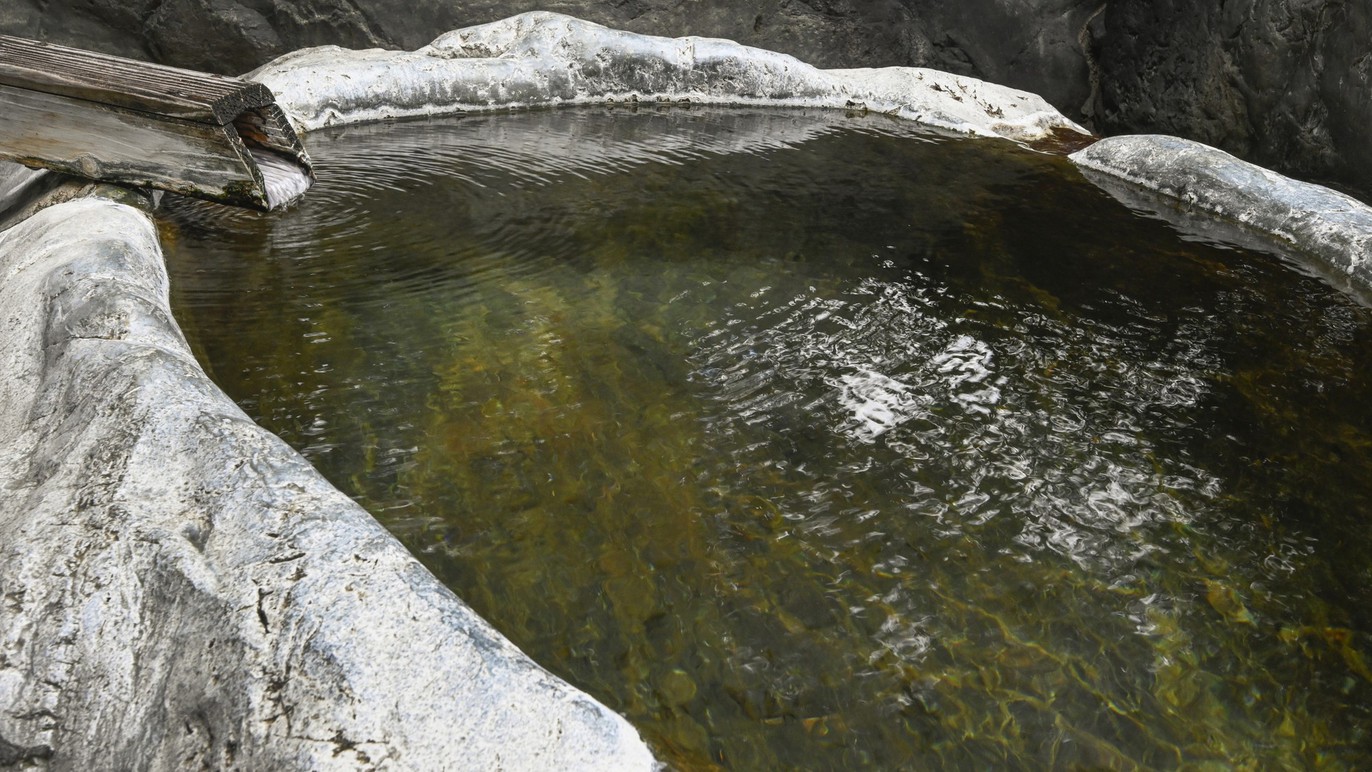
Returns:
point(1205, 190)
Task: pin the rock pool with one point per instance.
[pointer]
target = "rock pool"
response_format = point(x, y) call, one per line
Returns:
point(813, 440)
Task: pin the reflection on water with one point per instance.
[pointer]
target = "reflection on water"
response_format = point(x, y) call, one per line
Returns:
point(811, 441)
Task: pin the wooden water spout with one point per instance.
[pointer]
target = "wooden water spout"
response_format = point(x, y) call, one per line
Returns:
point(146, 125)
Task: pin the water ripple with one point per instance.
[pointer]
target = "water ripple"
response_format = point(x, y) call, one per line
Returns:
point(811, 441)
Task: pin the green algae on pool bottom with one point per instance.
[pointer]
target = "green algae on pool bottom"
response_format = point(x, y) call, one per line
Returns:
point(815, 441)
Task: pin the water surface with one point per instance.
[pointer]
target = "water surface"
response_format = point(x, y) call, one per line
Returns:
point(814, 441)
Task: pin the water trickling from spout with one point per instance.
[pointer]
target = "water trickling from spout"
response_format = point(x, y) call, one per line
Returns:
point(284, 179)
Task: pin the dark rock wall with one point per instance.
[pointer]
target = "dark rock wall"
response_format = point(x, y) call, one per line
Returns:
point(1030, 44)
point(1285, 83)
point(1033, 45)
point(233, 36)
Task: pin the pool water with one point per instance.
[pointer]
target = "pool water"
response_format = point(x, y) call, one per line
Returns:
point(812, 440)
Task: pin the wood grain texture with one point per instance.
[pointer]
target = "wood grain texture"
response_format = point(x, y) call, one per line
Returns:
point(126, 83)
point(205, 160)
point(141, 124)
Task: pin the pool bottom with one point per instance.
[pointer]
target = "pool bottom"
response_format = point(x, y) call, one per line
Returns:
point(815, 441)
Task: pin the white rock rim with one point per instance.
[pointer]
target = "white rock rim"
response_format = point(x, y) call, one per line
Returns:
point(543, 59)
point(1324, 226)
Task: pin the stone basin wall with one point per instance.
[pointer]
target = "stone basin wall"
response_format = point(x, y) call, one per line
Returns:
point(1284, 83)
point(179, 588)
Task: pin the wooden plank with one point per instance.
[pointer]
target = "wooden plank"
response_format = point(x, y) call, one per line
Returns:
point(134, 148)
point(127, 83)
point(142, 124)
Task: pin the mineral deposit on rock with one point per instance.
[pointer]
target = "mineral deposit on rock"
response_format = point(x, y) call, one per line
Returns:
point(546, 59)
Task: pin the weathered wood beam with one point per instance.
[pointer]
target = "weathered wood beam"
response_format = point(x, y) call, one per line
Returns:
point(146, 125)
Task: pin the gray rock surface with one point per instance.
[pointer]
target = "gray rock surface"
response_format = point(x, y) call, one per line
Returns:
point(179, 589)
point(19, 186)
point(544, 59)
point(1331, 230)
